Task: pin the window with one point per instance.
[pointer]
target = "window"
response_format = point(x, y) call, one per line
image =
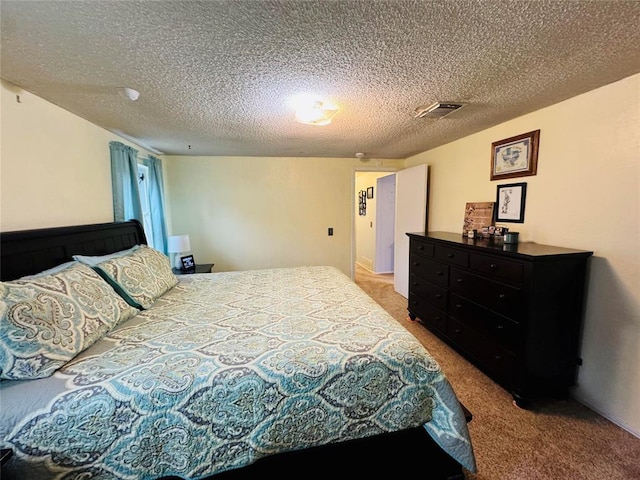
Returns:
point(143, 188)
point(137, 185)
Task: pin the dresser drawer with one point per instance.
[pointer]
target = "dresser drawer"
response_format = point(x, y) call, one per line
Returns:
point(514, 313)
point(428, 291)
point(506, 332)
point(505, 270)
point(421, 248)
point(427, 313)
point(497, 361)
point(452, 256)
point(496, 296)
point(428, 269)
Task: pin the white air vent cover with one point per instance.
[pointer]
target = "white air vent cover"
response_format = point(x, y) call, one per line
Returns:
point(437, 110)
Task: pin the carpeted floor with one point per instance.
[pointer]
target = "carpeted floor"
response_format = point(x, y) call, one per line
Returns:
point(557, 440)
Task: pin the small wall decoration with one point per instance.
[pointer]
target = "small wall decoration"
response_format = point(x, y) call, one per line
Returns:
point(477, 215)
point(370, 192)
point(362, 202)
point(188, 263)
point(510, 202)
point(516, 156)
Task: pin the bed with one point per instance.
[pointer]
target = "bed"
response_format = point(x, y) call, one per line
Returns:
point(281, 371)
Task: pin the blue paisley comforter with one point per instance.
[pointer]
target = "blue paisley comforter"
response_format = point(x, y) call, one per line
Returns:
point(224, 369)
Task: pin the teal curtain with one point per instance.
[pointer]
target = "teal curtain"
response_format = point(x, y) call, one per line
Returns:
point(156, 203)
point(124, 183)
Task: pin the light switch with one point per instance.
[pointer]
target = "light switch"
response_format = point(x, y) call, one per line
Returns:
point(330, 232)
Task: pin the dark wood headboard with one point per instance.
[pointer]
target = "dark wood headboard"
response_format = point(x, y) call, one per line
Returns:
point(27, 252)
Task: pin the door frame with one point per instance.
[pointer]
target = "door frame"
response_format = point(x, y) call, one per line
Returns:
point(352, 205)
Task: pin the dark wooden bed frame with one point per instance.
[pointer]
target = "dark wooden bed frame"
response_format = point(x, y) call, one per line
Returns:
point(409, 452)
point(31, 251)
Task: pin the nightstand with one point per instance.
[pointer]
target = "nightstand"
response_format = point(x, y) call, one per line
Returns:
point(200, 268)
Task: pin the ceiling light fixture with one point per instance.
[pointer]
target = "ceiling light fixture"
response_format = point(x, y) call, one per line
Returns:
point(316, 113)
point(129, 93)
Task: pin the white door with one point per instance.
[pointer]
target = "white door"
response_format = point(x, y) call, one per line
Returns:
point(385, 223)
point(411, 216)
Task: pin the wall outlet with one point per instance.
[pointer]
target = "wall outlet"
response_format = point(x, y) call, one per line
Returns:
point(330, 232)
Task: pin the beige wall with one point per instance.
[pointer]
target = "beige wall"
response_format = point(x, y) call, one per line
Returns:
point(255, 212)
point(54, 166)
point(261, 212)
point(586, 196)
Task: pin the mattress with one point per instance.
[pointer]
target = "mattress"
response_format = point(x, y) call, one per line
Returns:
point(226, 368)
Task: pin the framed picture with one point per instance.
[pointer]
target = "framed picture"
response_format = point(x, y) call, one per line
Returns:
point(362, 197)
point(516, 156)
point(477, 215)
point(510, 202)
point(370, 192)
point(188, 263)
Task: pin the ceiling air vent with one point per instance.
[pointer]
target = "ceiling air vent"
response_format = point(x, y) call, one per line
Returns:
point(437, 110)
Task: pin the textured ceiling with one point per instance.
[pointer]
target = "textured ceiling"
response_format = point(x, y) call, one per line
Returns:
point(217, 75)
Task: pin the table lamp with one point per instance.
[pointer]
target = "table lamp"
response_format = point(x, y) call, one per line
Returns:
point(177, 245)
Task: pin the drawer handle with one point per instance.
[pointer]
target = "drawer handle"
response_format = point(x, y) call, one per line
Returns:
point(458, 305)
point(498, 357)
point(500, 327)
point(458, 330)
point(502, 296)
point(438, 295)
point(439, 273)
point(451, 255)
point(416, 264)
point(421, 247)
point(493, 265)
point(460, 280)
point(437, 319)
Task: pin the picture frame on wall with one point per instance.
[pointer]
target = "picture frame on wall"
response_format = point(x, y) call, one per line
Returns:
point(510, 202)
point(362, 202)
point(515, 156)
point(370, 192)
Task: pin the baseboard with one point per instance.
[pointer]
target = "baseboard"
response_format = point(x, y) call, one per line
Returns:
point(612, 418)
point(368, 269)
point(364, 266)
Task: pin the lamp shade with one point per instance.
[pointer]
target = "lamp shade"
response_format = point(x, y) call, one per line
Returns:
point(179, 244)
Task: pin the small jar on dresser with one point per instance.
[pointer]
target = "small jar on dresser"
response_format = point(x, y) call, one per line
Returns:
point(515, 311)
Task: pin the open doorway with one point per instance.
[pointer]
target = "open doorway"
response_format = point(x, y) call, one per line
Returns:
point(374, 221)
point(380, 222)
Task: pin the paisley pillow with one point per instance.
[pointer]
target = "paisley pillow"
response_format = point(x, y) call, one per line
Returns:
point(141, 276)
point(92, 261)
point(47, 320)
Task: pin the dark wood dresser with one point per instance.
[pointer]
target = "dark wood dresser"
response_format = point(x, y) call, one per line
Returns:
point(515, 311)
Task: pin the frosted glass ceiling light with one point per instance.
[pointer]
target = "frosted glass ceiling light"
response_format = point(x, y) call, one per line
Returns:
point(315, 113)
